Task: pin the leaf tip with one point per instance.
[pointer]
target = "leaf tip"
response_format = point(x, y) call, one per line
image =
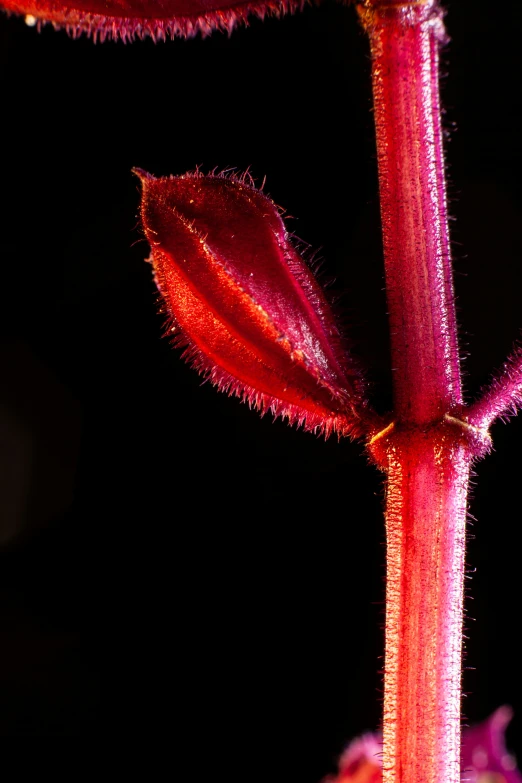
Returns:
point(142, 175)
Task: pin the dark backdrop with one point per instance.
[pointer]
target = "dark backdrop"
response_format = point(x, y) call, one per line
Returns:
point(173, 566)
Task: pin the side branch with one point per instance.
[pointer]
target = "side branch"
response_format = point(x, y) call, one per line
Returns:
point(503, 396)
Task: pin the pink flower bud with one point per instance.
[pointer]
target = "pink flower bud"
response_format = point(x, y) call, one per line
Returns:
point(127, 19)
point(361, 762)
point(245, 305)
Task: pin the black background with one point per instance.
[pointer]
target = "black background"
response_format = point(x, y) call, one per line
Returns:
point(174, 567)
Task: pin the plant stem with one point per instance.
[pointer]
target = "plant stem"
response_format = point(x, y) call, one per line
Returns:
point(428, 450)
point(503, 397)
point(405, 39)
point(425, 533)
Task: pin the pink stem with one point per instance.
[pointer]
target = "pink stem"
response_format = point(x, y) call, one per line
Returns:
point(425, 532)
point(502, 398)
point(405, 39)
point(428, 450)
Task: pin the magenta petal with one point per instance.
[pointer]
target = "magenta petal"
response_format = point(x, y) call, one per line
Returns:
point(485, 758)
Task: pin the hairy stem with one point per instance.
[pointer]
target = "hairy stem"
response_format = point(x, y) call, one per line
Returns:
point(428, 450)
point(503, 397)
point(425, 533)
point(405, 40)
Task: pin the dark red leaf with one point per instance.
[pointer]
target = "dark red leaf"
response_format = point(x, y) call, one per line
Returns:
point(127, 19)
point(248, 310)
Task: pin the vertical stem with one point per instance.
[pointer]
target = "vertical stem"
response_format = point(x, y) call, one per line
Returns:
point(428, 450)
point(425, 531)
point(405, 39)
